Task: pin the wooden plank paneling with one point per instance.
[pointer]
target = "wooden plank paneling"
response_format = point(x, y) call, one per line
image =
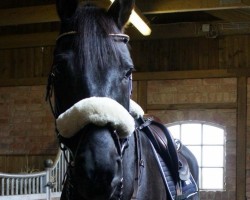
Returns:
point(5, 66)
point(176, 54)
point(28, 40)
point(234, 52)
point(231, 52)
point(22, 81)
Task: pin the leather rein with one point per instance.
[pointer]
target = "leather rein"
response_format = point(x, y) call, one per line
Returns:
point(121, 144)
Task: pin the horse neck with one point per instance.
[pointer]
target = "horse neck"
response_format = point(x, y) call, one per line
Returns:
point(145, 169)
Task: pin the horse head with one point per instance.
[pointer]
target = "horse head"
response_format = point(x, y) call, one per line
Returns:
point(91, 77)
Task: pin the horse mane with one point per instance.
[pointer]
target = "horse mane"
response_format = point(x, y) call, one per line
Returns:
point(93, 24)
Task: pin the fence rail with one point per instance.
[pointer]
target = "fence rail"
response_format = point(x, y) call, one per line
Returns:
point(46, 184)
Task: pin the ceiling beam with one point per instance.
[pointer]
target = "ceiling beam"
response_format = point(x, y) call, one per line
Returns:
point(172, 6)
point(181, 30)
point(47, 13)
point(34, 14)
point(232, 15)
point(28, 15)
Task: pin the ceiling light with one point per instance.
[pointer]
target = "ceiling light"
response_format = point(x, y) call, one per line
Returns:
point(139, 23)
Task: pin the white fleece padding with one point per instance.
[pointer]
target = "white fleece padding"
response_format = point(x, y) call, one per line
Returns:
point(99, 111)
point(135, 110)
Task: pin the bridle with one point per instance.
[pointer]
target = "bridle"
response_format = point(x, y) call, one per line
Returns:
point(121, 144)
point(119, 37)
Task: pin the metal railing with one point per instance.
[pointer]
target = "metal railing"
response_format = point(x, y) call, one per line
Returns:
point(42, 185)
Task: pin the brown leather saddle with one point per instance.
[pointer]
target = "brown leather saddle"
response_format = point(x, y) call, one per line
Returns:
point(173, 165)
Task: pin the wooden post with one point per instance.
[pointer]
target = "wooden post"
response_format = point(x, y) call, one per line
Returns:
point(142, 95)
point(241, 138)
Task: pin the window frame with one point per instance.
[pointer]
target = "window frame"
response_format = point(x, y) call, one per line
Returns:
point(202, 145)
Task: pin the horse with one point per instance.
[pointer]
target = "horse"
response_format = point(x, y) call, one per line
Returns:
point(96, 121)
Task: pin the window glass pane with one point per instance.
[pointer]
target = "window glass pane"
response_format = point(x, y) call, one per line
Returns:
point(175, 131)
point(212, 135)
point(213, 156)
point(212, 178)
point(191, 134)
point(196, 150)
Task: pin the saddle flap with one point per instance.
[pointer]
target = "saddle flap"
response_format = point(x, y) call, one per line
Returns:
point(163, 143)
point(168, 157)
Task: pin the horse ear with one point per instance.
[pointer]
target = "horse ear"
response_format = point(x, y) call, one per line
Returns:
point(66, 8)
point(121, 11)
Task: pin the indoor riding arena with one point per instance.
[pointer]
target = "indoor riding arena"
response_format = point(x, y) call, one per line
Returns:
point(191, 72)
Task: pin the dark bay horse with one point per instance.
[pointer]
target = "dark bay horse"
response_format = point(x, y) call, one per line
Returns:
point(91, 79)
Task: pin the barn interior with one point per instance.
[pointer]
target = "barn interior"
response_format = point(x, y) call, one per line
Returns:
point(194, 67)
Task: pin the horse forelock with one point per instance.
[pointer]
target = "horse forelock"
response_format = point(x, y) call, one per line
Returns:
point(95, 60)
point(94, 46)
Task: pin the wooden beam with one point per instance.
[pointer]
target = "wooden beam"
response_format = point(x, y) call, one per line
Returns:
point(39, 14)
point(28, 15)
point(173, 6)
point(47, 13)
point(158, 32)
point(141, 77)
point(235, 15)
point(192, 74)
point(187, 30)
point(241, 139)
point(194, 106)
point(183, 30)
point(23, 82)
point(35, 14)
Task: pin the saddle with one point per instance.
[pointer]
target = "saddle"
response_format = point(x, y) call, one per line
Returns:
point(173, 165)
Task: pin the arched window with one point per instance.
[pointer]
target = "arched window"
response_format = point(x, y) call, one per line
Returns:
point(207, 142)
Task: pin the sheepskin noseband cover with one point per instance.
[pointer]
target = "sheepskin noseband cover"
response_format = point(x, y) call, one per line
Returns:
point(99, 111)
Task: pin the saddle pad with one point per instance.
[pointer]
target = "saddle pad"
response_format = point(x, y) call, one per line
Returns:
point(189, 187)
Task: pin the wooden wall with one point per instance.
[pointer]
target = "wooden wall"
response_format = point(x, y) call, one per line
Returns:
point(228, 52)
point(166, 62)
point(21, 63)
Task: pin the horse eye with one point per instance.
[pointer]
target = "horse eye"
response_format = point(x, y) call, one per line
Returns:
point(129, 72)
point(125, 40)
